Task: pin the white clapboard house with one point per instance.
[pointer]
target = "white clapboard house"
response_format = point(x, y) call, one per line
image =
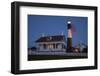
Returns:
point(51, 43)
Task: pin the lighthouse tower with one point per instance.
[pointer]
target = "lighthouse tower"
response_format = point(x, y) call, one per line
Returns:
point(69, 39)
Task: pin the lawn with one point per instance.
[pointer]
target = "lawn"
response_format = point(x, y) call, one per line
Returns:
point(52, 57)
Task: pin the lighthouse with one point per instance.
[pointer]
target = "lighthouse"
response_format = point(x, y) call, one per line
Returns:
point(69, 38)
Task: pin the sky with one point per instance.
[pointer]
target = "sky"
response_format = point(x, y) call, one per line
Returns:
point(55, 25)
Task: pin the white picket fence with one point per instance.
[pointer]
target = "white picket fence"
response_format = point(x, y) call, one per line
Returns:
point(56, 53)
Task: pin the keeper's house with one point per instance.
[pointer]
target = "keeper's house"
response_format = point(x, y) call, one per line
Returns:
point(51, 43)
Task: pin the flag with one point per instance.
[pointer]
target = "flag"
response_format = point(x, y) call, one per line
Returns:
point(73, 29)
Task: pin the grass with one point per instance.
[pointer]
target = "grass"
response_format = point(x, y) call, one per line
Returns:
point(52, 57)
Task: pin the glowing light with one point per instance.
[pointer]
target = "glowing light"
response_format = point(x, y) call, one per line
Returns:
point(69, 22)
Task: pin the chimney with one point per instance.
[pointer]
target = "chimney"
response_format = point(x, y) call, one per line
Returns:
point(43, 35)
point(62, 33)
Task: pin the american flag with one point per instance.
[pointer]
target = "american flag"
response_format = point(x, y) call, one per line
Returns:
point(73, 29)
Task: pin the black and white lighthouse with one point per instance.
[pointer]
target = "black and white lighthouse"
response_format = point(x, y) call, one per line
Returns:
point(69, 38)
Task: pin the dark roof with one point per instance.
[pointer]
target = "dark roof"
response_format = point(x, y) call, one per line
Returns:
point(51, 38)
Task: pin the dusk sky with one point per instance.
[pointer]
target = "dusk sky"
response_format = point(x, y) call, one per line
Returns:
point(55, 25)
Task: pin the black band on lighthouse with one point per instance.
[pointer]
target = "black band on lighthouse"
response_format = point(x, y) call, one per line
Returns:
point(69, 26)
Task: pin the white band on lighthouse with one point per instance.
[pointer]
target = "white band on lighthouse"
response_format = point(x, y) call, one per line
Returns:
point(69, 33)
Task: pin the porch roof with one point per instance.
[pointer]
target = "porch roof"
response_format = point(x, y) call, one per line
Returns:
point(51, 38)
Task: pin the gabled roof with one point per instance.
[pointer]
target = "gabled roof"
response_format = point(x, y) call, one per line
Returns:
point(51, 38)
